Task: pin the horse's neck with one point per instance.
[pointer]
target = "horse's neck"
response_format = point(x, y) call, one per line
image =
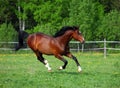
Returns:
point(64, 39)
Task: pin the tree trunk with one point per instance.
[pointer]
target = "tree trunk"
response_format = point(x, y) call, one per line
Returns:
point(21, 20)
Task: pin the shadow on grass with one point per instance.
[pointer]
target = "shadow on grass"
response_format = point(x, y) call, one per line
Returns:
point(82, 73)
point(65, 72)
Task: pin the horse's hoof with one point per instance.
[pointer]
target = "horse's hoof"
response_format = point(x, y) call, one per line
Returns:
point(60, 68)
point(49, 70)
point(79, 69)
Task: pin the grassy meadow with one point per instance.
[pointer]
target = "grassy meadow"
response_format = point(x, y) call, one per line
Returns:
point(25, 71)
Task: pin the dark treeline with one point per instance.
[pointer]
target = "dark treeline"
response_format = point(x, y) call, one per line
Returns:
point(97, 19)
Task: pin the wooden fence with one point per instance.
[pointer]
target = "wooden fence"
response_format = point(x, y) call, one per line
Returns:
point(102, 46)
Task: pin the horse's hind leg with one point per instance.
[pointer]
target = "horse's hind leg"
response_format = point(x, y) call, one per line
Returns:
point(41, 59)
point(62, 59)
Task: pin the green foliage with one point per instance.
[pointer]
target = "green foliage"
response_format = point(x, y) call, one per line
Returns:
point(50, 20)
point(7, 33)
point(110, 5)
point(47, 29)
point(87, 15)
point(110, 26)
point(97, 19)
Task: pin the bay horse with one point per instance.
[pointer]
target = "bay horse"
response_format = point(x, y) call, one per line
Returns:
point(57, 45)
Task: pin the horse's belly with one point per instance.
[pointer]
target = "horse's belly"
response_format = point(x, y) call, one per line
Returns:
point(45, 49)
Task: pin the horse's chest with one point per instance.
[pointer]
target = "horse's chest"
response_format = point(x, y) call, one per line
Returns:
point(62, 49)
point(58, 47)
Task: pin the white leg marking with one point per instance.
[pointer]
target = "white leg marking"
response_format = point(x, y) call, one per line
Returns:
point(61, 68)
point(46, 61)
point(47, 65)
point(79, 69)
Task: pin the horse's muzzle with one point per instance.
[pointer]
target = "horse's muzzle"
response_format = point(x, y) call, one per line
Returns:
point(83, 42)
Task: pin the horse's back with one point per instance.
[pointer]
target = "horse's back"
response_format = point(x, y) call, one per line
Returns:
point(40, 42)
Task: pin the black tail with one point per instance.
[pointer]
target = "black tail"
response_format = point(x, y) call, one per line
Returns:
point(22, 35)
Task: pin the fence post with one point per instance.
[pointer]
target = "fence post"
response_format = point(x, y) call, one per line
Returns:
point(105, 53)
point(78, 47)
point(82, 47)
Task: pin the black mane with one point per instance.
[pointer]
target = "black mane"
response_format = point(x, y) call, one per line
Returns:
point(64, 29)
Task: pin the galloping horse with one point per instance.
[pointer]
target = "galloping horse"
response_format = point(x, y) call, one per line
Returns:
point(57, 45)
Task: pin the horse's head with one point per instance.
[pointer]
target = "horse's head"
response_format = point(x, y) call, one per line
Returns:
point(77, 35)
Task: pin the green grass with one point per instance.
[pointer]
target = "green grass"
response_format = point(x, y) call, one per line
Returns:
point(25, 71)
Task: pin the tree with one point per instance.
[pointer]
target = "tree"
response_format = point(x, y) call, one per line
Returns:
point(7, 19)
point(87, 15)
point(7, 9)
point(96, 18)
point(110, 5)
point(48, 16)
point(110, 26)
point(7, 33)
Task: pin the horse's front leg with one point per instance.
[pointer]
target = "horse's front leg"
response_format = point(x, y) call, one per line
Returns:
point(62, 59)
point(76, 61)
point(79, 67)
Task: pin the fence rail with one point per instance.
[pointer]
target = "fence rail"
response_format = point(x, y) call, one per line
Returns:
point(77, 46)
